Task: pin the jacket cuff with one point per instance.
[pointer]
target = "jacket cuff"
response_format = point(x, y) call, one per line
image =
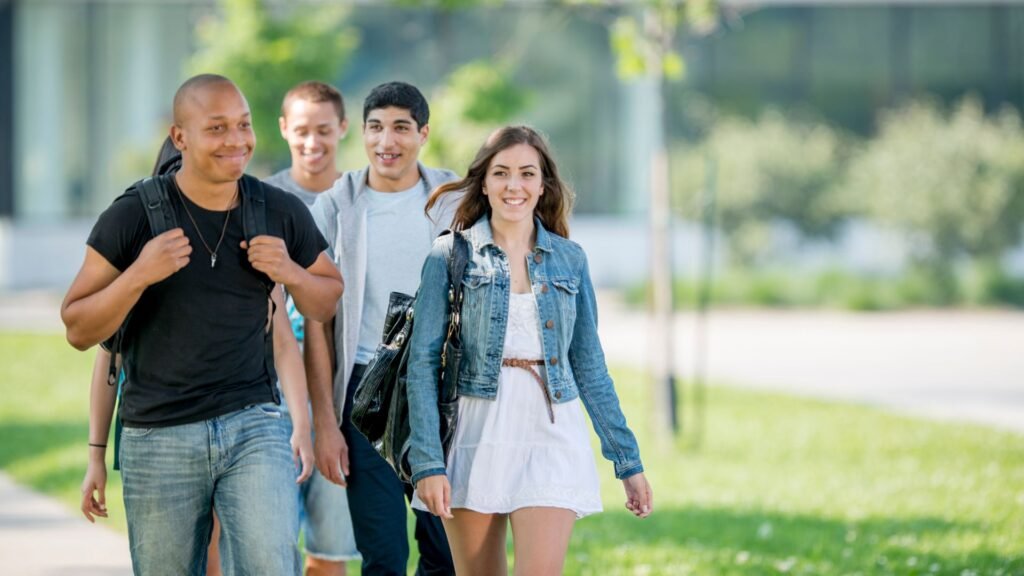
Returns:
point(427, 472)
point(628, 469)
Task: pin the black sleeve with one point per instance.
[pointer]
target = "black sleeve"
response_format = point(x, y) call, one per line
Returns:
point(121, 231)
point(303, 238)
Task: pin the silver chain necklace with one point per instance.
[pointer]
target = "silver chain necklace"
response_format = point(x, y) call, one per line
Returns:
point(223, 231)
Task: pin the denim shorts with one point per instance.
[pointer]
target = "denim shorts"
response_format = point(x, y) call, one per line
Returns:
point(324, 516)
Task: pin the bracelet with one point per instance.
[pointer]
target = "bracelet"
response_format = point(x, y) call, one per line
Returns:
point(97, 445)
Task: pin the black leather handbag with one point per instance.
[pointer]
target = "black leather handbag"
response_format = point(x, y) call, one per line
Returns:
point(380, 408)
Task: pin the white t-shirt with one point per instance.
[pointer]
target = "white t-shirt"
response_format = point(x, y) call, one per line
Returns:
point(398, 240)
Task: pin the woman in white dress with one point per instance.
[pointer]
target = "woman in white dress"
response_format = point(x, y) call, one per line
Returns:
point(531, 364)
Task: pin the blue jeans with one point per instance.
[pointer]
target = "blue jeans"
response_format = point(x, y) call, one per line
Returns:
point(378, 504)
point(239, 462)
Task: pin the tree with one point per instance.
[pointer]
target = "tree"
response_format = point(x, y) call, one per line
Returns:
point(475, 98)
point(267, 53)
point(952, 183)
point(777, 169)
point(644, 40)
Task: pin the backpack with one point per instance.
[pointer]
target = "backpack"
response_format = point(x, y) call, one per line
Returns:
point(154, 193)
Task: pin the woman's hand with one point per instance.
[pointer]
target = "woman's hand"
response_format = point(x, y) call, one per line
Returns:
point(639, 498)
point(95, 481)
point(436, 493)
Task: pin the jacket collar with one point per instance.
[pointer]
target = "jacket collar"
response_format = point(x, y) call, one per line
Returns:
point(363, 179)
point(480, 235)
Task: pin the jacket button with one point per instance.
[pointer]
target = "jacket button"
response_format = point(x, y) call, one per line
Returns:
point(543, 288)
point(554, 360)
point(537, 258)
point(549, 324)
point(558, 395)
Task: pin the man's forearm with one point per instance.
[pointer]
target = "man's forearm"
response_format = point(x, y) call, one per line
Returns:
point(319, 375)
point(316, 296)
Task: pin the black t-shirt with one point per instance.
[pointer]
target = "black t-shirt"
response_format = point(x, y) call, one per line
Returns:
point(194, 346)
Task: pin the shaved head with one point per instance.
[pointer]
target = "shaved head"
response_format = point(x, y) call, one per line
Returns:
point(213, 130)
point(188, 91)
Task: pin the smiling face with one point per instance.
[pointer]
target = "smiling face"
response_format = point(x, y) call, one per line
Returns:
point(214, 133)
point(514, 184)
point(393, 141)
point(312, 130)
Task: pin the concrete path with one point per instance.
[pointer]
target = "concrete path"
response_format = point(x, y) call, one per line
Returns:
point(41, 537)
point(949, 365)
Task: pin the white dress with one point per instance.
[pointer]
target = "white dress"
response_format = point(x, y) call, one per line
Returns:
point(507, 454)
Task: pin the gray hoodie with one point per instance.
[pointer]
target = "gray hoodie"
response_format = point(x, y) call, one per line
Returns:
point(340, 213)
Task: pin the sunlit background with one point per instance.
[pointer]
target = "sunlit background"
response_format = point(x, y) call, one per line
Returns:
point(829, 195)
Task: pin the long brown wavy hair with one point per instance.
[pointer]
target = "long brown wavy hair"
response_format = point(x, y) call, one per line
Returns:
point(554, 205)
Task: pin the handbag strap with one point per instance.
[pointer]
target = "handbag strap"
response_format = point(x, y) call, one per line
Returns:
point(456, 269)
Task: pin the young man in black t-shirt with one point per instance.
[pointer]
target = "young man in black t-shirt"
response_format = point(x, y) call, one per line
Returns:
point(202, 426)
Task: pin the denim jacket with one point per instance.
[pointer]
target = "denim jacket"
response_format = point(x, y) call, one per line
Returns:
point(574, 364)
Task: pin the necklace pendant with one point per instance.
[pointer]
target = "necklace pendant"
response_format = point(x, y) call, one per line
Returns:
point(213, 260)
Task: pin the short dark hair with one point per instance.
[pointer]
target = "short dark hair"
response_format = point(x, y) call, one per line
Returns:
point(314, 91)
point(398, 95)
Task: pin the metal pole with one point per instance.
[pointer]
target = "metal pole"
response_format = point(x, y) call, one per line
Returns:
point(661, 280)
point(704, 297)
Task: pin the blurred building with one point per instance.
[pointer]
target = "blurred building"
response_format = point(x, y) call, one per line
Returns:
point(85, 87)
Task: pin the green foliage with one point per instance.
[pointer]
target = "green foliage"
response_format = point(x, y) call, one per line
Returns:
point(952, 183)
point(644, 39)
point(476, 98)
point(445, 4)
point(987, 284)
point(780, 484)
point(266, 53)
point(775, 169)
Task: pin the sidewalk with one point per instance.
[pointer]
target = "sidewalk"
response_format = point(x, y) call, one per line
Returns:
point(41, 537)
point(948, 365)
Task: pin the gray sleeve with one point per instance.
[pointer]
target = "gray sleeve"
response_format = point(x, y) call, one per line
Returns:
point(325, 215)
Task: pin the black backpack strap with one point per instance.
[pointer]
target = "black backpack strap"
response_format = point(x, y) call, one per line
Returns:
point(154, 193)
point(254, 207)
point(254, 223)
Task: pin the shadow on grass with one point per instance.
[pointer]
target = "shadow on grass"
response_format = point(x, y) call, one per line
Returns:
point(25, 441)
point(732, 541)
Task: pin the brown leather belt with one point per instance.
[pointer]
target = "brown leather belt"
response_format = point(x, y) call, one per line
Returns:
point(528, 365)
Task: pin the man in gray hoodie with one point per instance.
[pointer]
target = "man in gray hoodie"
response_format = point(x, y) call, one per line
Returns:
point(379, 236)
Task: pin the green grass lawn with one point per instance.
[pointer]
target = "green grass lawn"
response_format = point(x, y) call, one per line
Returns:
point(780, 485)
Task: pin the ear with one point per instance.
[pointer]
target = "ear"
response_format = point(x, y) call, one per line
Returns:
point(424, 133)
point(282, 123)
point(178, 137)
point(343, 129)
